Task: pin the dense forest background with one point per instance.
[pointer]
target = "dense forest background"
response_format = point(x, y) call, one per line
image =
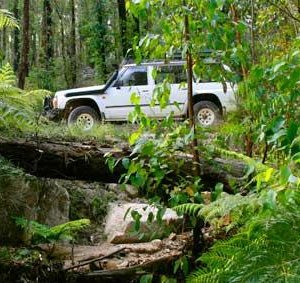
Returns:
point(67, 40)
point(248, 228)
point(59, 43)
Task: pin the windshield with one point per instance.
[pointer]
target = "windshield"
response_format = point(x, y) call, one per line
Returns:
point(111, 79)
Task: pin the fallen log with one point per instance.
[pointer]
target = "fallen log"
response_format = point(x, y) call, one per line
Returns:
point(94, 259)
point(86, 161)
point(129, 273)
point(62, 160)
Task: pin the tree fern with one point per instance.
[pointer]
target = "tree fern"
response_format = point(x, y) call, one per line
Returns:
point(7, 19)
point(7, 75)
point(266, 250)
point(19, 110)
point(40, 233)
point(192, 209)
point(237, 208)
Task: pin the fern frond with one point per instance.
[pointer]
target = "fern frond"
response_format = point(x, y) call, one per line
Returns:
point(237, 207)
point(266, 250)
point(7, 75)
point(7, 19)
point(189, 208)
point(206, 275)
point(70, 227)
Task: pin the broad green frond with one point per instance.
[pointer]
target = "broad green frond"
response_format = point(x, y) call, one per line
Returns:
point(189, 208)
point(7, 76)
point(237, 207)
point(43, 234)
point(7, 19)
point(266, 250)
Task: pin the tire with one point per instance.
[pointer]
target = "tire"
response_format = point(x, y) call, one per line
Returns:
point(207, 113)
point(84, 117)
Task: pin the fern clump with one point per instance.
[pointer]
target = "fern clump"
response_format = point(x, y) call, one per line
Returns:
point(266, 249)
point(39, 233)
point(19, 111)
point(7, 19)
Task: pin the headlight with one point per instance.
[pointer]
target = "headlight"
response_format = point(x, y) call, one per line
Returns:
point(55, 102)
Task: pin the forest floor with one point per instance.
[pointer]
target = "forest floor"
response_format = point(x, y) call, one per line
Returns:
point(56, 148)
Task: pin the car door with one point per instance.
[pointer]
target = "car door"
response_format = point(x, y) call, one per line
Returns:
point(133, 79)
point(175, 75)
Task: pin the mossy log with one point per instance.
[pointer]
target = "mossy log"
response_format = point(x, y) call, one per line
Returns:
point(86, 161)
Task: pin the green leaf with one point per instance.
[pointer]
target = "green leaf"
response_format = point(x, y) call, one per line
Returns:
point(285, 173)
point(135, 99)
point(134, 137)
point(111, 162)
point(278, 66)
point(146, 278)
point(126, 163)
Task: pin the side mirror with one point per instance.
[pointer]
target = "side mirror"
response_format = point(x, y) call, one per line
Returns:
point(118, 84)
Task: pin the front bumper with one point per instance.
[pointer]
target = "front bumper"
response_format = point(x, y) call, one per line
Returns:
point(53, 114)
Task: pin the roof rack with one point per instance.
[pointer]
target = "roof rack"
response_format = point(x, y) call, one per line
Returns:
point(177, 56)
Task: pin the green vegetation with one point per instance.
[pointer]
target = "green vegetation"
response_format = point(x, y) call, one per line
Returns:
point(38, 233)
point(254, 226)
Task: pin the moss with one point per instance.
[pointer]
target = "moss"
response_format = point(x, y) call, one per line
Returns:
point(77, 203)
point(90, 201)
point(99, 205)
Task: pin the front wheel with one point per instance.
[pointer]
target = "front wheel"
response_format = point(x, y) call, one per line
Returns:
point(84, 117)
point(207, 113)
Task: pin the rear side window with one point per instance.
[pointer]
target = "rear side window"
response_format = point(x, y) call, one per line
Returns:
point(174, 74)
point(134, 77)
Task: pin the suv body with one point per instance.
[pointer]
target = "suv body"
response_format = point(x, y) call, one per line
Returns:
point(112, 101)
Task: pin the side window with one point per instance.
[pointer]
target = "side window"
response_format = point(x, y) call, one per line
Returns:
point(174, 74)
point(133, 77)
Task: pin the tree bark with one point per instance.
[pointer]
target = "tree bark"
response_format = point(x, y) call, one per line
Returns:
point(63, 44)
point(67, 160)
point(101, 42)
point(23, 71)
point(73, 45)
point(16, 42)
point(47, 33)
point(123, 24)
point(189, 62)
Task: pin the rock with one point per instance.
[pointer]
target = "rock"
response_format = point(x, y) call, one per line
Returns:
point(120, 224)
point(130, 191)
point(157, 243)
point(172, 237)
point(54, 206)
point(40, 200)
point(125, 263)
point(110, 264)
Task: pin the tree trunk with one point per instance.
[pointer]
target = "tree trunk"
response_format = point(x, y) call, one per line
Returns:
point(67, 160)
point(16, 41)
point(47, 33)
point(123, 25)
point(3, 43)
point(25, 48)
point(63, 44)
point(189, 63)
point(253, 51)
point(102, 33)
point(73, 45)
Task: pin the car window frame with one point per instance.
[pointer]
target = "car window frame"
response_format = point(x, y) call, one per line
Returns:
point(122, 73)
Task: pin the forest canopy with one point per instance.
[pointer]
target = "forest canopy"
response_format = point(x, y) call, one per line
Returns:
point(234, 184)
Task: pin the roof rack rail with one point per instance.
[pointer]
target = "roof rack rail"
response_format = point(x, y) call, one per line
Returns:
point(177, 56)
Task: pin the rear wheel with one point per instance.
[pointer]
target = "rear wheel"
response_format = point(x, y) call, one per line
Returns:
point(207, 113)
point(84, 117)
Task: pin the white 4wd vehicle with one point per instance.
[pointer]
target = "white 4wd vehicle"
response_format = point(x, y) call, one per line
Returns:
point(111, 102)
